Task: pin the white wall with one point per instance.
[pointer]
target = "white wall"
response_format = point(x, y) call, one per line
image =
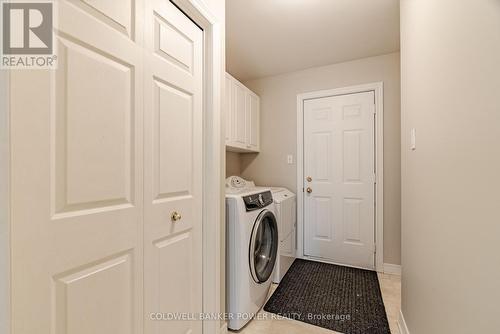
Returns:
point(450, 56)
point(4, 206)
point(233, 164)
point(279, 129)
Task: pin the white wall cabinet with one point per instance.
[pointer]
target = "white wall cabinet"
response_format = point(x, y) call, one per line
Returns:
point(242, 117)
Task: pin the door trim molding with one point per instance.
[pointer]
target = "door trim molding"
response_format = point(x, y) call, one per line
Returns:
point(378, 89)
point(213, 144)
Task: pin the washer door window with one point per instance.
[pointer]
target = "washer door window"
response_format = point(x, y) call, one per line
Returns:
point(263, 246)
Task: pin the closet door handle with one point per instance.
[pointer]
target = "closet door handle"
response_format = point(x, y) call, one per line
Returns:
point(175, 216)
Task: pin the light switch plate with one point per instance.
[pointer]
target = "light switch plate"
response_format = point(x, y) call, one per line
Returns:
point(289, 159)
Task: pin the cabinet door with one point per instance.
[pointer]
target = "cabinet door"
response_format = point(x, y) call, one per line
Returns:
point(239, 113)
point(228, 109)
point(252, 121)
point(254, 117)
point(248, 120)
point(242, 117)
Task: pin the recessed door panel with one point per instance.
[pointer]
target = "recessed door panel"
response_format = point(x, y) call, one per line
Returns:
point(173, 141)
point(322, 152)
point(173, 44)
point(118, 15)
point(322, 113)
point(352, 156)
point(84, 297)
point(351, 112)
point(92, 171)
point(175, 276)
point(322, 218)
point(352, 220)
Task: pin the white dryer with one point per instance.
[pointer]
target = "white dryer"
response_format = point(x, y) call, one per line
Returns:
point(251, 251)
point(286, 215)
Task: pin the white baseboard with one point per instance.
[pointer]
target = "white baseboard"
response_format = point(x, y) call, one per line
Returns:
point(223, 328)
point(392, 269)
point(403, 329)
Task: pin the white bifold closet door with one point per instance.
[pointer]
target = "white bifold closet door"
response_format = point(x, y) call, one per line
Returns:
point(173, 167)
point(103, 150)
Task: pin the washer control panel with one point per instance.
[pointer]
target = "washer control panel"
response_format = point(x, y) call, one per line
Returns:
point(258, 201)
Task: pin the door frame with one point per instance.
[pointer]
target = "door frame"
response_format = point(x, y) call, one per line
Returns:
point(213, 177)
point(378, 89)
point(213, 141)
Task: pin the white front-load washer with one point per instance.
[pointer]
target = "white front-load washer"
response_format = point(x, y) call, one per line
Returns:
point(251, 251)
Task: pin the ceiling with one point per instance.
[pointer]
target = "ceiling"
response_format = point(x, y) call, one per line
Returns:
point(269, 37)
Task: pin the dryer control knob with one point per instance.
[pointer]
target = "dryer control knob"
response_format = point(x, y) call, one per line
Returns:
point(261, 200)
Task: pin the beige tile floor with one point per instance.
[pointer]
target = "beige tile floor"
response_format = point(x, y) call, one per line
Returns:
point(266, 323)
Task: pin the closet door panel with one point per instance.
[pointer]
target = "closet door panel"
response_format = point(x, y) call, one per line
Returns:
point(173, 86)
point(76, 177)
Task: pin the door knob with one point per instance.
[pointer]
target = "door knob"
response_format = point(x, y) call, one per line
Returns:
point(175, 216)
point(309, 190)
point(309, 179)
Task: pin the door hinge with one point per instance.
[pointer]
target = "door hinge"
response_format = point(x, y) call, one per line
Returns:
point(374, 248)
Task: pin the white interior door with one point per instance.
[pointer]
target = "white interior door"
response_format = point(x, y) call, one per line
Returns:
point(173, 84)
point(76, 177)
point(339, 179)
